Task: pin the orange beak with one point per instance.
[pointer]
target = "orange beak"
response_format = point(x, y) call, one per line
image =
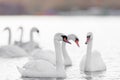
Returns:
point(77, 42)
point(65, 40)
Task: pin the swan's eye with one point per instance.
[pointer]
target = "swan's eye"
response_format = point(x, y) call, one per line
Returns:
point(37, 31)
point(64, 37)
point(76, 39)
point(88, 36)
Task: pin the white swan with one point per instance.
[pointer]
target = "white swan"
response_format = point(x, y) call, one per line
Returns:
point(30, 45)
point(11, 51)
point(50, 55)
point(67, 60)
point(92, 61)
point(47, 55)
point(42, 68)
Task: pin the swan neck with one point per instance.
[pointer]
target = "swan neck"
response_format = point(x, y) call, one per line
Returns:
point(58, 51)
point(89, 47)
point(88, 56)
point(21, 35)
point(31, 35)
point(9, 33)
point(64, 51)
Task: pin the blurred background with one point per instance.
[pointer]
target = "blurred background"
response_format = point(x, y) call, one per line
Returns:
point(59, 7)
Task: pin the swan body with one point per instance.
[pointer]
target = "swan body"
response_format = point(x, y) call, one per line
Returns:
point(11, 51)
point(92, 61)
point(45, 55)
point(38, 68)
point(29, 46)
point(51, 56)
point(43, 68)
point(96, 62)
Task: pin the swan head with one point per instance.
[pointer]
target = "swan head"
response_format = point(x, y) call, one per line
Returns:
point(74, 38)
point(34, 29)
point(20, 27)
point(61, 37)
point(89, 37)
point(7, 28)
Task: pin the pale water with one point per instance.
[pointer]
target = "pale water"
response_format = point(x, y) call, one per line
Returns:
point(106, 40)
point(8, 68)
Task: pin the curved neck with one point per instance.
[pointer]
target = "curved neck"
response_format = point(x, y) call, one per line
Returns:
point(59, 61)
point(21, 36)
point(89, 47)
point(88, 55)
point(31, 35)
point(9, 39)
point(65, 54)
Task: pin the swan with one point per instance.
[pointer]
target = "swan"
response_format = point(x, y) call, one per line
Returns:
point(30, 45)
point(67, 60)
point(11, 51)
point(50, 55)
point(44, 69)
point(47, 55)
point(92, 61)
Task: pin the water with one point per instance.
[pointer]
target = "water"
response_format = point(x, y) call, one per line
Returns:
point(106, 40)
point(8, 68)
